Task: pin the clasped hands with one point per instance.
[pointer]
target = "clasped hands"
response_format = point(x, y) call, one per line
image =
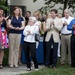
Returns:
point(16, 28)
point(29, 32)
point(52, 23)
point(65, 23)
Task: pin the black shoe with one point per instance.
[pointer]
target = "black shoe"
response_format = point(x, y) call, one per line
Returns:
point(72, 65)
point(47, 66)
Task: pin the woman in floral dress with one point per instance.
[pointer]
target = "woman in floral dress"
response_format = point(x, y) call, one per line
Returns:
point(3, 37)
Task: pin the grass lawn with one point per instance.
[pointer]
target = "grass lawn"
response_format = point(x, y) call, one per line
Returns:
point(60, 70)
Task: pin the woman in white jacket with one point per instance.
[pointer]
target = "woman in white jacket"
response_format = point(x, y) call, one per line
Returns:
point(30, 43)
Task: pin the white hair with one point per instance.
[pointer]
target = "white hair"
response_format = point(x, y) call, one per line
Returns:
point(33, 18)
point(67, 10)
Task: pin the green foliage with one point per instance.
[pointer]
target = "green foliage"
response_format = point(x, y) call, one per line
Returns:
point(34, 0)
point(3, 4)
point(51, 3)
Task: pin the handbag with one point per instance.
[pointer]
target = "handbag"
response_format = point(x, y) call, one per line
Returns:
point(37, 37)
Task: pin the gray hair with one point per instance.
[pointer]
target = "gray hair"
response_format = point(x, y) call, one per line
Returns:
point(67, 10)
point(33, 18)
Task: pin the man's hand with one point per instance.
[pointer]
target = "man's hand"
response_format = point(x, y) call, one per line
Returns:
point(51, 23)
point(73, 26)
point(65, 23)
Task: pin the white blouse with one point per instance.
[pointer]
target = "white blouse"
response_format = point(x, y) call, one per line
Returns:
point(30, 37)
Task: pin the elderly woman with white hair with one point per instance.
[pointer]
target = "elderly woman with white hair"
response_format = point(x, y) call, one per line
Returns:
point(30, 43)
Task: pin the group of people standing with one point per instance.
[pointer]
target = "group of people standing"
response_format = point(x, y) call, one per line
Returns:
point(60, 30)
point(21, 34)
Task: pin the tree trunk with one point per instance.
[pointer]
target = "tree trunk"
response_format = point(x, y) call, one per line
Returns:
point(65, 6)
point(6, 4)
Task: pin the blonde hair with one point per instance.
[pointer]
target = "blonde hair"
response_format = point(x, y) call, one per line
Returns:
point(36, 13)
point(48, 15)
point(59, 15)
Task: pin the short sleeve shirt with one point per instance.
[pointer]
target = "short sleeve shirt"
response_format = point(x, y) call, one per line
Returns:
point(16, 23)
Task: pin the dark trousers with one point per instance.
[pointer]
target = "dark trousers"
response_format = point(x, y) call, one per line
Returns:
point(48, 52)
point(44, 48)
point(73, 50)
point(30, 48)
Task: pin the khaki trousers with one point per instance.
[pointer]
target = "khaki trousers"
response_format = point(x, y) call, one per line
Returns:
point(65, 45)
point(14, 44)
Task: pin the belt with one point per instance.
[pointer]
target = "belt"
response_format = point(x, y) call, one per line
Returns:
point(67, 34)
